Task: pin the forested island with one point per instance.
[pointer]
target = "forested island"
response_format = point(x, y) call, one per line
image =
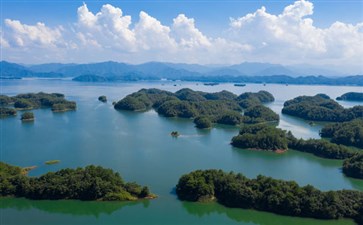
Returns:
point(353, 167)
point(28, 101)
point(206, 108)
point(268, 194)
point(346, 133)
point(27, 117)
point(262, 137)
point(89, 183)
point(270, 138)
point(5, 112)
point(102, 98)
point(351, 96)
point(321, 108)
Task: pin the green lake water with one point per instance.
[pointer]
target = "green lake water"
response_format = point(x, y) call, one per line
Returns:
point(139, 146)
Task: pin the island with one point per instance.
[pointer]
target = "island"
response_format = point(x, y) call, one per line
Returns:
point(88, 183)
point(346, 133)
point(268, 194)
point(262, 137)
point(269, 138)
point(52, 162)
point(320, 108)
point(175, 134)
point(27, 117)
point(351, 96)
point(353, 167)
point(90, 78)
point(6, 112)
point(203, 122)
point(205, 108)
point(102, 98)
point(55, 101)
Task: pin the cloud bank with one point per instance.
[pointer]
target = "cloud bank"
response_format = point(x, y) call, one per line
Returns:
point(287, 38)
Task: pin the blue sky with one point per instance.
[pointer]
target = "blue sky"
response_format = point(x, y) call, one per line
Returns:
point(208, 13)
point(324, 32)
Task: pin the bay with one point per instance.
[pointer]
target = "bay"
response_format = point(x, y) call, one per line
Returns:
point(139, 146)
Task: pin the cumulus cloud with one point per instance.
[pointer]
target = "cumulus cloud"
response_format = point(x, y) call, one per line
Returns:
point(38, 35)
point(185, 32)
point(151, 34)
point(293, 37)
point(107, 28)
point(109, 34)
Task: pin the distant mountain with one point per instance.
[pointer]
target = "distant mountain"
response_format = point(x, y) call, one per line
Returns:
point(115, 71)
point(48, 67)
point(225, 72)
point(12, 70)
point(100, 69)
point(9, 70)
point(313, 70)
point(251, 68)
point(276, 70)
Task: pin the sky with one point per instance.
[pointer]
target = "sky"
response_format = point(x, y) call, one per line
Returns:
point(326, 33)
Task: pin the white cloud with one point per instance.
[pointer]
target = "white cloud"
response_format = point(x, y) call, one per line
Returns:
point(3, 43)
point(187, 35)
point(151, 34)
point(108, 28)
point(288, 37)
point(292, 37)
point(23, 35)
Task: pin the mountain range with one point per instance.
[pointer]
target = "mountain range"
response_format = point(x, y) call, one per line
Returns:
point(114, 71)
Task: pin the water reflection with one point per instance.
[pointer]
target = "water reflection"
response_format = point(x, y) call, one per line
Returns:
point(254, 217)
point(71, 207)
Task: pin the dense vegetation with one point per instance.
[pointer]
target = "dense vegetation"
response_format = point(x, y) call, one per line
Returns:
point(320, 108)
point(265, 137)
point(347, 133)
point(102, 98)
point(262, 137)
point(89, 183)
point(268, 194)
point(206, 108)
point(321, 148)
point(353, 167)
point(5, 112)
point(202, 122)
point(351, 96)
point(55, 101)
point(27, 116)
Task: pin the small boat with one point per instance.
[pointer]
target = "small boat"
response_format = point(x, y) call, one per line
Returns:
point(211, 84)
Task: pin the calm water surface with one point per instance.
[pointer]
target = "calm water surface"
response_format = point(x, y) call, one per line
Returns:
point(138, 145)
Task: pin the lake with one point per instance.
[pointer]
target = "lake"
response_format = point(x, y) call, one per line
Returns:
point(139, 146)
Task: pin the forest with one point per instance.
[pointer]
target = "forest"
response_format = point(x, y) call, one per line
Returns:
point(28, 101)
point(351, 96)
point(320, 108)
point(262, 137)
point(268, 194)
point(206, 108)
point(346, 133)
point(353, 167)
point(5, 112)
point(89, 183)
point(270, 138)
